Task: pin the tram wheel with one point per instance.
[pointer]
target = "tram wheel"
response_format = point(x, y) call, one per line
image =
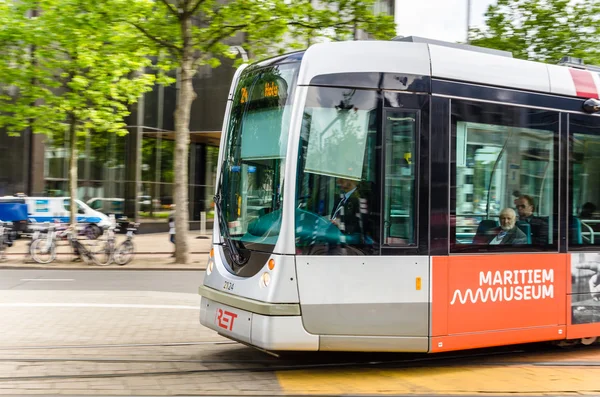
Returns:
point(589, 341)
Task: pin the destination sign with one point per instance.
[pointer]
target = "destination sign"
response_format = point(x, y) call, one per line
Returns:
point(267, 89)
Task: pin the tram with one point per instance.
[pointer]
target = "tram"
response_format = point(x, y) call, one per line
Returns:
point(406, 196)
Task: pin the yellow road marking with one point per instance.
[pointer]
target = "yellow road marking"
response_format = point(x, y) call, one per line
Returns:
point(448, 380)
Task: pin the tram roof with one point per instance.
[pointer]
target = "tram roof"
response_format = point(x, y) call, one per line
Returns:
point(449, 62)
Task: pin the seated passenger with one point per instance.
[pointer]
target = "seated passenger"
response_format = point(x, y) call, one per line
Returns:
point(539, 226)
point(506, 233)
point(587, 211)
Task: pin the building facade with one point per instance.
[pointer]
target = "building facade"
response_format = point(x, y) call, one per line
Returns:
point(134, 172)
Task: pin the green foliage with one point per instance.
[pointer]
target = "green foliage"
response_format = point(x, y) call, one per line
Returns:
point(543, 30)
point(265, 27)
point(73, 62)
point(338, 20)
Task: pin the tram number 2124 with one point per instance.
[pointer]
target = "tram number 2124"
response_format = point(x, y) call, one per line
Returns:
point(228, 286)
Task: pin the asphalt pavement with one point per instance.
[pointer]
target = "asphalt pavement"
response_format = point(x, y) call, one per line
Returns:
point(131, 333)
point(101, 280)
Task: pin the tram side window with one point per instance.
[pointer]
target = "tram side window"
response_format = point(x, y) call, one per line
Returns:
point(399, 197)
point(337, 208)
point(585, 180)
point(505, 177)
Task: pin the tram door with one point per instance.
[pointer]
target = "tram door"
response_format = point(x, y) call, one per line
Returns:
point(353, 290)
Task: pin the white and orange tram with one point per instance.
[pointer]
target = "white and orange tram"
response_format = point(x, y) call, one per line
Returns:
point(409, 196)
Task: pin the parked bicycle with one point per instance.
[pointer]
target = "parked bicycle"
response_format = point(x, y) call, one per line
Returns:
point(43, 247)
point(105, 255)
point(110, 252)
point(45, 242)
point(6, 238)
point(126, 250)
point(79, 249)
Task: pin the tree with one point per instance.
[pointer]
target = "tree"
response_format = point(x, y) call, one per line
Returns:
point(328, 20)
point(73, 69)
point(543, 30)
point(339, 20)
point(190, 33)
point(186, 34)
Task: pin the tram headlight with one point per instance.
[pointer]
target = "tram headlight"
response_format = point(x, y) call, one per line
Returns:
point(211, 261)
point(209, 266)
point(265, 279)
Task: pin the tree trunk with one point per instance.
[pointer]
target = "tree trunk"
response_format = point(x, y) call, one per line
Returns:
point(186, 96)
point(73, 170)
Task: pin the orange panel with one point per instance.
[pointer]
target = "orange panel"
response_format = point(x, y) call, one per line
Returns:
point(583, 330)
point(497, 338)
point(505, 291)
point(439, 294)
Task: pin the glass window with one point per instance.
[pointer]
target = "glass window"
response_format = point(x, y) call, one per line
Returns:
point(585, 179)
point(253, 166)
point(337, 192)
point(505, 177)
point(67, 205)
point(399, 197)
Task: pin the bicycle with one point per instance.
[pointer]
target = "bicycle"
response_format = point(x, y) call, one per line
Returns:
point(44, 242)
point(105, 255)
point(78, 248)
point(5, 238)
point(126, 250)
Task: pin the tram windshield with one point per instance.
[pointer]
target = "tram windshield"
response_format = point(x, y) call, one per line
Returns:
point(250, 194)
point(336, 182)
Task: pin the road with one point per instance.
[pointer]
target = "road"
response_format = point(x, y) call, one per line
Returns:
point(115, 332)
point(137, 333)
point(186, 281)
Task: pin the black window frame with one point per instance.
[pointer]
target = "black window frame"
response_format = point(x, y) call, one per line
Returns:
point(582, 118)
point(454, 248)
point(417, 170)
point(421, 104)
point(406, 100)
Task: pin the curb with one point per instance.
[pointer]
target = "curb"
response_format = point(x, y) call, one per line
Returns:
point(161, 268)
point(9, 254)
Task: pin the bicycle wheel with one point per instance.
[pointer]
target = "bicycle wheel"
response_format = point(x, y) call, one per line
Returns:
point(42, 252)
point(104, 256)
point(82, 252)
point(124, 253)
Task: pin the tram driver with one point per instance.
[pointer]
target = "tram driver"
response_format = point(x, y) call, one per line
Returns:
point(349, 216)
point(346, 214)
point(506, 233)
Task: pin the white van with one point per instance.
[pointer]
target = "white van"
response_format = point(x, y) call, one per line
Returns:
point(49, 209)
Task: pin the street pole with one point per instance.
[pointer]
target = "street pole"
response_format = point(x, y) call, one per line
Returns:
point(468, 19)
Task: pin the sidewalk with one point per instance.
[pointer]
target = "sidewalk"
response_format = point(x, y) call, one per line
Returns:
point(153, 252)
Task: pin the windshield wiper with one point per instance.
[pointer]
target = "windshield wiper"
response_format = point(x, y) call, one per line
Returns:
point(236, 255)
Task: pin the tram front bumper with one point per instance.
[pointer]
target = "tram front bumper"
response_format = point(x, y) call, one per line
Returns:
point(269, 332)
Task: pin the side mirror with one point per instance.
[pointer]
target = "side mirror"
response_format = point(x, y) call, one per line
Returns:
point(592, 105)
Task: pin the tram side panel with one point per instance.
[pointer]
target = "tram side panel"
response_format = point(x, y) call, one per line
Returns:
point(374, 303)
point(493, 300)
point(583, 303)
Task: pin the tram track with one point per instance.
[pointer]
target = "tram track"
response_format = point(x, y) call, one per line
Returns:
point(117, 345)
point(237, 365)
point(306, 361)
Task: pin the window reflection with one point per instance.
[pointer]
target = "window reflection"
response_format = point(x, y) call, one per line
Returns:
point(585, 167)
point(337, 206)
point(399, 198)
point(505, 176)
